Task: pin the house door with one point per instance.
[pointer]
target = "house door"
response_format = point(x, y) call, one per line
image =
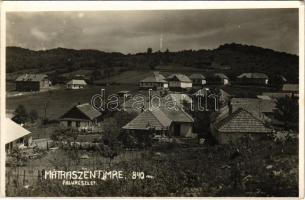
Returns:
point(177, 129)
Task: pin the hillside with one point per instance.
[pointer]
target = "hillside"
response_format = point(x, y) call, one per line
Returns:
point(231, 59)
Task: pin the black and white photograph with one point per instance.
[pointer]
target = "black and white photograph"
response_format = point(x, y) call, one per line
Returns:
point(152, 103)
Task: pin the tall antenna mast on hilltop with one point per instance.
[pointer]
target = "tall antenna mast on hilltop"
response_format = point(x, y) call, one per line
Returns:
point(161, 42)
point(161, 46)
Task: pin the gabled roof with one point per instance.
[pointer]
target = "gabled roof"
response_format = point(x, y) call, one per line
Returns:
point(149, 119)
point(197, 76)
point(252, 75)
point(88, 110)
point(254, 105)
point(283, 78)
point(221, 75)
point(201, 92)
point(32, 77)
point(159, 119)
point(14, 131)
point(241, 121)
point(77, 82)
point(156, 77)
point(291, 87)
point(177, 115)
point(179, 77)
point(82, 111)
point(178, 98)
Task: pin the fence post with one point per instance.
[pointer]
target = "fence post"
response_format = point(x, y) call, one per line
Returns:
point(23, 182)
point(17, 179)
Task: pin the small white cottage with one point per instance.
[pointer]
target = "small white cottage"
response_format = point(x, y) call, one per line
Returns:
point(76, 84)
point(156, 81)
point(179, 81)
point(16, 136)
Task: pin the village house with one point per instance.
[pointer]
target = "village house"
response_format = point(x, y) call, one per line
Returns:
point(32, 82)
point(198, 80)
point(172, 123)
point(132, 105)
point(82, 117)
point(156, 81)
point(75, 84)
point(124, 94)
point(231, 126)
point(252, 79)
point(173, 99)
point(16, 136)
point(179, 82)
point(227, 92)
point(291, 88)
point(259, 108)
point(288, 90)
point(217, 79)
point(178, 99)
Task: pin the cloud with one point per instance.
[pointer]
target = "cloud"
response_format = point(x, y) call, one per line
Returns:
point(134, 31)
point(39, 35)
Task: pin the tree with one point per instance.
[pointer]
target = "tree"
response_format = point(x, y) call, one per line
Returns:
point(287, 111)
point(96, 74)
point(276, 80)
point(122, 118)
point(111, 131)
point(21, 115)
point(33, 115)
point(149, 50)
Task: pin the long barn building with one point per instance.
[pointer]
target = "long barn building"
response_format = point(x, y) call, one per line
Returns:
point(32, 82)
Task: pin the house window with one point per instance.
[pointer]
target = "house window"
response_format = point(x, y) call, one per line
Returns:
point(69, 123)
point(77, 124)
point(20, 140)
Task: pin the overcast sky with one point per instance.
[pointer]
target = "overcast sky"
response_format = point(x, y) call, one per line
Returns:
point(135, 31)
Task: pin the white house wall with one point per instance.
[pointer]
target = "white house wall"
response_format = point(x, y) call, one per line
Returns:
point(75, 87)
point(151, 85)
point(178, 84)
point(186, 129)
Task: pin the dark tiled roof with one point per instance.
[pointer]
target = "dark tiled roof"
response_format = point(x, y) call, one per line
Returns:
point(201, 92)
point(241, 121)
point(160, 119)
point(88, 110)
point(155, 78)
point(221, 75)
point(178, 98)
point(253, 104)
point(291, 87)
point(178, 115)
point(143, 121)
point(252, 75)
point(180, 77)
point(197, 76)
point(81, 112)
point(32, 77)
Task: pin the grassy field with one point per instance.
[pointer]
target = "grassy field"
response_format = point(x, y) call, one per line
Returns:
point(134, 76)
point(59, 101)
point(176, 171)
point(127, 77)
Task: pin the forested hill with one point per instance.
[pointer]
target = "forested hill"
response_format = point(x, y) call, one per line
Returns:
point(232, 59)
